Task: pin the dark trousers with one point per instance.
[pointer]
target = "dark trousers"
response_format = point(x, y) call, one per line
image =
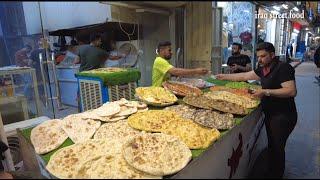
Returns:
point(278, 126)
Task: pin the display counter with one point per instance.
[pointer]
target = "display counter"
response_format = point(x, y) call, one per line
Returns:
point(231, 156)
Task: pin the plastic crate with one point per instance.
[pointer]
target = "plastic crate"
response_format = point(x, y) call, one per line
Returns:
point(93, 92)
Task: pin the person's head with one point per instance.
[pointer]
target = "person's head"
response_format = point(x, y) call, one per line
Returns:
point(265, 53)
point(27, 48)
point(95, 39)
point(236, 48)
point(164, 50)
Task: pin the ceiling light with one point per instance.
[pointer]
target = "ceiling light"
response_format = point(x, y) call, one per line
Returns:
point(247, 11)
point(285, 6)
point(276, 8)
point(296, 9)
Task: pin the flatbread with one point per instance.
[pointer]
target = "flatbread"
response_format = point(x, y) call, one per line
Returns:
point(137, 104)
point(156, 96)
point(65, 162)
point(121, 102)
point(194, 135)
point(157, 153)
point(213, 119)
point(118, 131)
point(126, 111)
point(48, 136)
point(183, 110)
point(142, 110)
point(79, 130)
point(108, 109)
point(233, 98)
point(200, 101)
point(111, 166)
point(181, 89)
point(152, 120)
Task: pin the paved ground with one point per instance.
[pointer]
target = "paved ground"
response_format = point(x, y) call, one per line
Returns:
point(303, 145)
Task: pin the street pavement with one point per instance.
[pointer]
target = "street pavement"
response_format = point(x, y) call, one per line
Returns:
point(303, 145)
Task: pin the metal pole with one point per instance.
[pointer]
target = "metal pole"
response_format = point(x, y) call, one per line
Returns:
point(56, 81)
point(43, 79)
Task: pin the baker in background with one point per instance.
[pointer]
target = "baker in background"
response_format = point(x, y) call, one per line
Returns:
point(238, 62)
point(162, 69)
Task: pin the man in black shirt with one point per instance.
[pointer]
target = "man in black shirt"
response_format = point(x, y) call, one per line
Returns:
point(277, 100)
point(238, 62)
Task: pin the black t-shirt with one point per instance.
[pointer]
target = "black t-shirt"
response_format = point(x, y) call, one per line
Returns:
point(280, 72)
point(241, 60)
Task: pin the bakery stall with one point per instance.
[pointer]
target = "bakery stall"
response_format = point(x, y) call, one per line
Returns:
point(64, 71)
point(220, 132)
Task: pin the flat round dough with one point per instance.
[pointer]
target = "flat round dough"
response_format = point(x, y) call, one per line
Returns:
point(126, 111)
point(118, 131)
point(212, 119)
point(64, 163)
point(111, 166)
point(48, 136)
point(108, 109)
point(152, 120)
point(79, 130)
point(156, 154)
point(194, 135)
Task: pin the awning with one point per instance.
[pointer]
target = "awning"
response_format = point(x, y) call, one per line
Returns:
point(119, 33)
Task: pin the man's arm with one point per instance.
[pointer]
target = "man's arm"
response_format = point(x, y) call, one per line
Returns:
point(251, 75)
point(288, 90)
point(187, 72)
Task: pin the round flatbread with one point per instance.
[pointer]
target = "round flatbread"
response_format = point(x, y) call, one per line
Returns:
point(79, 130)
point(142, 110)
point(126, 111)
point(121, 102)
point(184, 111)
point(137, 104)
point(194, 135)
point(152, 120)
point(48, 136)
point(157, 154)
point(111, 166)
point(65, 162)
point(212, 119)
point(118, 131)
point(108, 109)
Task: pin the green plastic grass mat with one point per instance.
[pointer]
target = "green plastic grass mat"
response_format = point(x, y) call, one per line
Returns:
point(217, 82)
point(239, 85)
point(114, 78)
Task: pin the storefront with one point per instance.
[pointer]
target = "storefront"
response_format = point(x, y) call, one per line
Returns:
point(238, 26)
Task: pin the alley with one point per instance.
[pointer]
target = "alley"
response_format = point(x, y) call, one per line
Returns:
point(303, 145)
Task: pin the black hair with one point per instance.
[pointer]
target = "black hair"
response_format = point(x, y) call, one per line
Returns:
point(73, 42)
point(94, 37)
point(266, 46)
point(237, 44)
point(163, 44)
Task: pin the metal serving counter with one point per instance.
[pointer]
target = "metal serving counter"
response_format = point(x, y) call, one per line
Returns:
point(232, 156)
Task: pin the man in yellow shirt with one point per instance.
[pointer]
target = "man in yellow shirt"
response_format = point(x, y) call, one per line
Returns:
point(162, 69)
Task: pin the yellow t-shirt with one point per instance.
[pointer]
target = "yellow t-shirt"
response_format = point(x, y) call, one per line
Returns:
point(159, 71)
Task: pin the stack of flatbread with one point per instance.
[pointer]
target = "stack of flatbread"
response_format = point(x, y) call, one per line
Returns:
point(118, 110)
point(93, 159)
point(79, 129)
point(48, 136)
point(156, 96)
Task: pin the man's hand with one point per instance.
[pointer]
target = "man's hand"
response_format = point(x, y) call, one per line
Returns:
point(234, 67)
point(220, 76)
point(259, 93)
point(201, 71)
